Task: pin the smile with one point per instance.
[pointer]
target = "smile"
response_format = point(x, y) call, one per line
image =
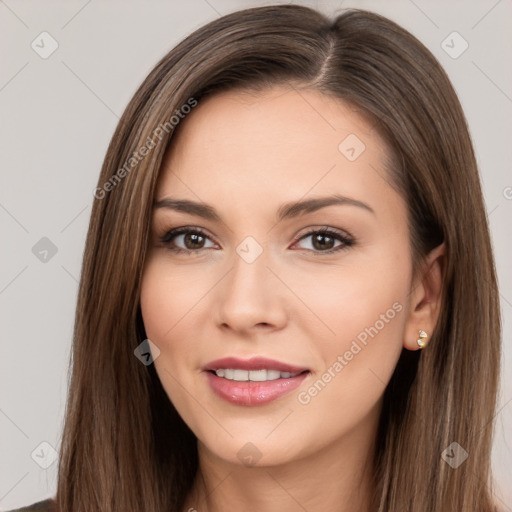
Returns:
point(255, 381)
point(253, 375)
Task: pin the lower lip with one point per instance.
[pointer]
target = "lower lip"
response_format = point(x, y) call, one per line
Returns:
point(251, 393)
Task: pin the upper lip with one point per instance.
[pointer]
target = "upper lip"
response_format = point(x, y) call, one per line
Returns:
point(254, 363)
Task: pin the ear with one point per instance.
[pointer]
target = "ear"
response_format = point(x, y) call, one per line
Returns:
point(425, 298)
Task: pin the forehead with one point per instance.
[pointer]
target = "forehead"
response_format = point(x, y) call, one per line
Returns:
point(281, 143)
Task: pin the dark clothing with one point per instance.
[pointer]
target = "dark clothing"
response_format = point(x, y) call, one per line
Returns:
point(41, 506)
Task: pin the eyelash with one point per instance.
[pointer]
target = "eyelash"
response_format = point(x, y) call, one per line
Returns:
point(346, 240)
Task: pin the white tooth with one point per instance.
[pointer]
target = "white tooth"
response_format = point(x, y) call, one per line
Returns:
point(229, 373)
point(252, 375)
point(240, 375)
point(258, 375)
point(273, 374)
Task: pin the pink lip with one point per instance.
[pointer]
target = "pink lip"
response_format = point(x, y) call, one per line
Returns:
point(254, 363)
point(251, 393)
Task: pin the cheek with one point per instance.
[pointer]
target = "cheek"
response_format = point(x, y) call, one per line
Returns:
point(171, 308)
point(171, 305)
point(364, 298)
point(162, 308)
point(167, 297)
point(364, 306)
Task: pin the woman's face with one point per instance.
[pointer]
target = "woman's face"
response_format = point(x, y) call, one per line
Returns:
point(259, 281)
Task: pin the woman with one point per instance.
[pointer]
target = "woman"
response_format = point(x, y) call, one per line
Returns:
point(288, 298)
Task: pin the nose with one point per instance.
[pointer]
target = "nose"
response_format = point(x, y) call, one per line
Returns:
point(250, 297)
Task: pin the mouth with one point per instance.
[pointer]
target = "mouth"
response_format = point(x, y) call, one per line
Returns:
point(255, 381)
point(264, 375)
point(253, 364)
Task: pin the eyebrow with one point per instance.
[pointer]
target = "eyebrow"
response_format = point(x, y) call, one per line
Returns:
point(285, 211)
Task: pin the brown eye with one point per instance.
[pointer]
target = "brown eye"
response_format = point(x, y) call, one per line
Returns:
point(324, 241)
point(185, 240)
point(193, 241)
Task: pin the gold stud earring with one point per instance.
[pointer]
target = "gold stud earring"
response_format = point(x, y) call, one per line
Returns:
point(422, 340)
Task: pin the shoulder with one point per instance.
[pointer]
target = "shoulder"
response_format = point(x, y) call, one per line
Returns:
point(41, 506)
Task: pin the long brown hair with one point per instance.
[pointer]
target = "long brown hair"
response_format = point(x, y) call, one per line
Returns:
point(124, 446)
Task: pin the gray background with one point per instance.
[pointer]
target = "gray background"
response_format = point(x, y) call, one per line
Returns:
point(58, 115)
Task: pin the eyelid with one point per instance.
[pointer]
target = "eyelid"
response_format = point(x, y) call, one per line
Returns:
point(318, 228)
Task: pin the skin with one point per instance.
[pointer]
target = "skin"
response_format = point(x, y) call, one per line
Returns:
point(246, 154)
